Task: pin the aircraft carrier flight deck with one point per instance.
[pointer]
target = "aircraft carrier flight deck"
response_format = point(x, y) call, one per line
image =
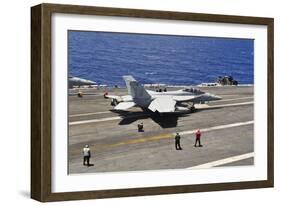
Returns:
point(227, 127)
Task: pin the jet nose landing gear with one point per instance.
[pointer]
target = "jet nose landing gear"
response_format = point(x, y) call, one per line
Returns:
point(192, 109)
point(113, 102)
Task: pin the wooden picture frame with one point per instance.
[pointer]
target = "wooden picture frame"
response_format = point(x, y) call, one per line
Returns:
point(41, 97)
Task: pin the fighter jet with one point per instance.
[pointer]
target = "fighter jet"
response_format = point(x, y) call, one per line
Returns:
point(159, 102)
point(76, 81)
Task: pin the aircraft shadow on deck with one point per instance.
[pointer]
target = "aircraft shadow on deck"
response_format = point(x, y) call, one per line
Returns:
point(164, 121)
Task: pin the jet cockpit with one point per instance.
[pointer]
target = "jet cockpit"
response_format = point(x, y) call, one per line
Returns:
point(193, 90)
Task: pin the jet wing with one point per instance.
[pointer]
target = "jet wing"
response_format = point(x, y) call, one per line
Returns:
point(119, 98)
point(184, 98)
point(127, 98)
point(163, 104)
point(124, 105)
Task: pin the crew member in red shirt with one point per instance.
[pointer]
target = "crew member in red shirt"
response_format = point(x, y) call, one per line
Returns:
point(198, 138)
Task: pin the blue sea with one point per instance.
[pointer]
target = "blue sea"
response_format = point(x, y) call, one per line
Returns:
point(174, 60)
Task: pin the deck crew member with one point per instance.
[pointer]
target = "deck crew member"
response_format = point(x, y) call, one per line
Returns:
point(80, 94)
point(198, 138)
point(86, 155)
point(177, 141)
point(140, 127)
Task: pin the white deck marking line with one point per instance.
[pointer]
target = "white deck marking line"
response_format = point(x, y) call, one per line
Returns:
point(226, 100)
point(94, 120)
point(205, 106)
point(118, 117)
point(228, 105)
point(86, 114)
point(102, 119)
point(223, 161)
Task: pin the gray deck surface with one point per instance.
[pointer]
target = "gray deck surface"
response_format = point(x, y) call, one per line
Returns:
point(116, 144)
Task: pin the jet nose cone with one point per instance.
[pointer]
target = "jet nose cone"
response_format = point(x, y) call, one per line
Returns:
point(212, 97)
point(87, 82)
point(216, 97)
point(90, 82)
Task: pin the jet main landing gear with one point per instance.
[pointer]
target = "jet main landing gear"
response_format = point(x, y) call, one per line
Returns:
point(113, 102)
point(192, 109)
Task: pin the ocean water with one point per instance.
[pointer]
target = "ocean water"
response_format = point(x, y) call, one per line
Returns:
point(174, 60)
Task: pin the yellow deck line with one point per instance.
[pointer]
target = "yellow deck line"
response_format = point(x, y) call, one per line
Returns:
point(172, 135)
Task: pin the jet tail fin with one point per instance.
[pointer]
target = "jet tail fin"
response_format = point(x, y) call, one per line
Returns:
point(135, 89)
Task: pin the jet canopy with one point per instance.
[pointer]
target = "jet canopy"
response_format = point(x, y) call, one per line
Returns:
point(193, 90)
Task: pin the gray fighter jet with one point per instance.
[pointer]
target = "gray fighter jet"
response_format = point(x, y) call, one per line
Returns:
point(159, 102)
